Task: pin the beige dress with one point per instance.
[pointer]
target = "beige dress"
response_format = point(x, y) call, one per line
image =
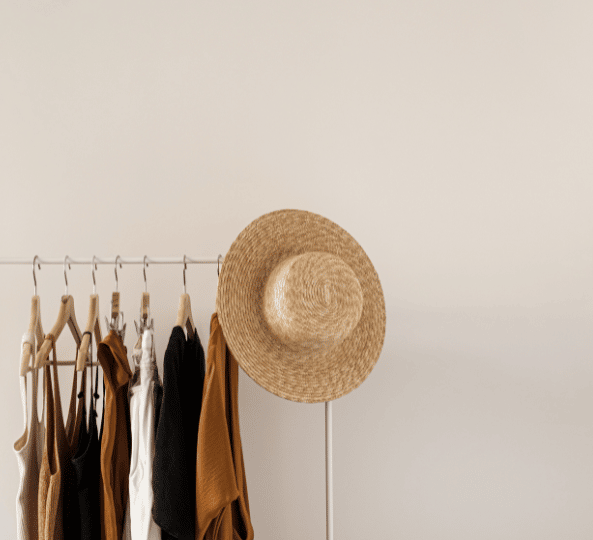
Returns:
point(28, 449)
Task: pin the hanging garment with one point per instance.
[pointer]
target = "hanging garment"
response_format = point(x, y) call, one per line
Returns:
point(116, 436)
point(55, 454)
point(75, 427)
point(222, 505)
point(145, 395)
point(87, 467)
point(174, 466)
point(28, 450)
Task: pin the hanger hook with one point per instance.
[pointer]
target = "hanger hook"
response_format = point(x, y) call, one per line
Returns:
point(144, 270)
point(34, 276)
point(65, 276)
point(116, 282)
point(218, 265)
point(93, 268)
point(184, 269)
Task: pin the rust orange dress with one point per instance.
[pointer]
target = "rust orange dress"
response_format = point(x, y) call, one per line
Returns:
point(222, 505)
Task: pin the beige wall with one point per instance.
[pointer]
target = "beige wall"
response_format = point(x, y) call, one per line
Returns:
point(451, 139)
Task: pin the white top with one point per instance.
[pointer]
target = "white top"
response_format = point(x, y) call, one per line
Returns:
point(28, 450)
point(139, 523)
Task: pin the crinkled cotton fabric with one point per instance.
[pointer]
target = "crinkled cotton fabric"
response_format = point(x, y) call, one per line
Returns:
point(145, 395)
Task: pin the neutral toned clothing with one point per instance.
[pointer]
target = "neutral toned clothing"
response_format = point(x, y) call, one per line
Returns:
point(71, 518)
point(222, 505)
point(174, 465)
point(28, 450)
point(116, 436)
point(55, 453)
point(87, 466)
point(145, 395)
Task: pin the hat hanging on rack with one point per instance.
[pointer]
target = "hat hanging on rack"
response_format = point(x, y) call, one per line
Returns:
point(301, 306)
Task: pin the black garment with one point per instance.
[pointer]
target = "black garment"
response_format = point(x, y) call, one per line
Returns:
point(87, 468)
point(174, 464)
point(71, 515)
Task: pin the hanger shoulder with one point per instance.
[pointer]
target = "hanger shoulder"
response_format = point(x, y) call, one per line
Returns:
point(145, 305)
point(182, 310)
point(184, 315)
point(115, 305)
point(92, 325)
point(34, 329)
point(72, 324)
point(63, 318)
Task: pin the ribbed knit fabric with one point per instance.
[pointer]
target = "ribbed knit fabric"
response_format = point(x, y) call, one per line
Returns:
point(55, 449)
point(28, 450)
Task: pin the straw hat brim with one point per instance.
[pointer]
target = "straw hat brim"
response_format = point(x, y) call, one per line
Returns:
point(297, 376)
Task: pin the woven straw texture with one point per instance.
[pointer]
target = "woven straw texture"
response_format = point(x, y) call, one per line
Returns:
point(301, 306)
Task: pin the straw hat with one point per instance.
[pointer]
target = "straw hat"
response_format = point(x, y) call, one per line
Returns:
point(301, 306)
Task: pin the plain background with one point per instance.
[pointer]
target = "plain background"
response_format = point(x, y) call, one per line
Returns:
point(452, 140)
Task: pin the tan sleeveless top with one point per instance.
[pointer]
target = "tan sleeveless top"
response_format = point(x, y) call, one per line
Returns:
point(28, 449)
point(56, 466)
point(56, 445)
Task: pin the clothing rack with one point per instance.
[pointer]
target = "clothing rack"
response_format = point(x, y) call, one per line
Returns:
point(120, 260)
point(146, 261)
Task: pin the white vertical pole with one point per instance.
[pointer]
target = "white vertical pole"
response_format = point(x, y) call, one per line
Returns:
point(328, 472)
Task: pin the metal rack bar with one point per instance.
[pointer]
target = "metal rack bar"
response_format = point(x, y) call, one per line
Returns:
point(329, 489)
point(122, 260)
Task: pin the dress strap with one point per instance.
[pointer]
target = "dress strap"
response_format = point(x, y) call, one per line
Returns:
point(59, 418)
point(81, 394)
point(27, 338)
point(54, 362)
point(23, 385)
point(30, 338)
point(94, 393)
point(52, 338)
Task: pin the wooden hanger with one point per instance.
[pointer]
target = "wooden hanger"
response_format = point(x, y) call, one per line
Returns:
point(115, 296)
point(92, 325)
point(184, 316)
point(65, 316)
point(145, 306)
point(34, 328)
point(117, 316)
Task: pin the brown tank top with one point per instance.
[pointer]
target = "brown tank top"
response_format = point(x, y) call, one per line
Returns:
point(50, 503)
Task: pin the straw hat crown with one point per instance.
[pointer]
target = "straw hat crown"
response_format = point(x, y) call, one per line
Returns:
point(312, 301)
point(301, 306)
